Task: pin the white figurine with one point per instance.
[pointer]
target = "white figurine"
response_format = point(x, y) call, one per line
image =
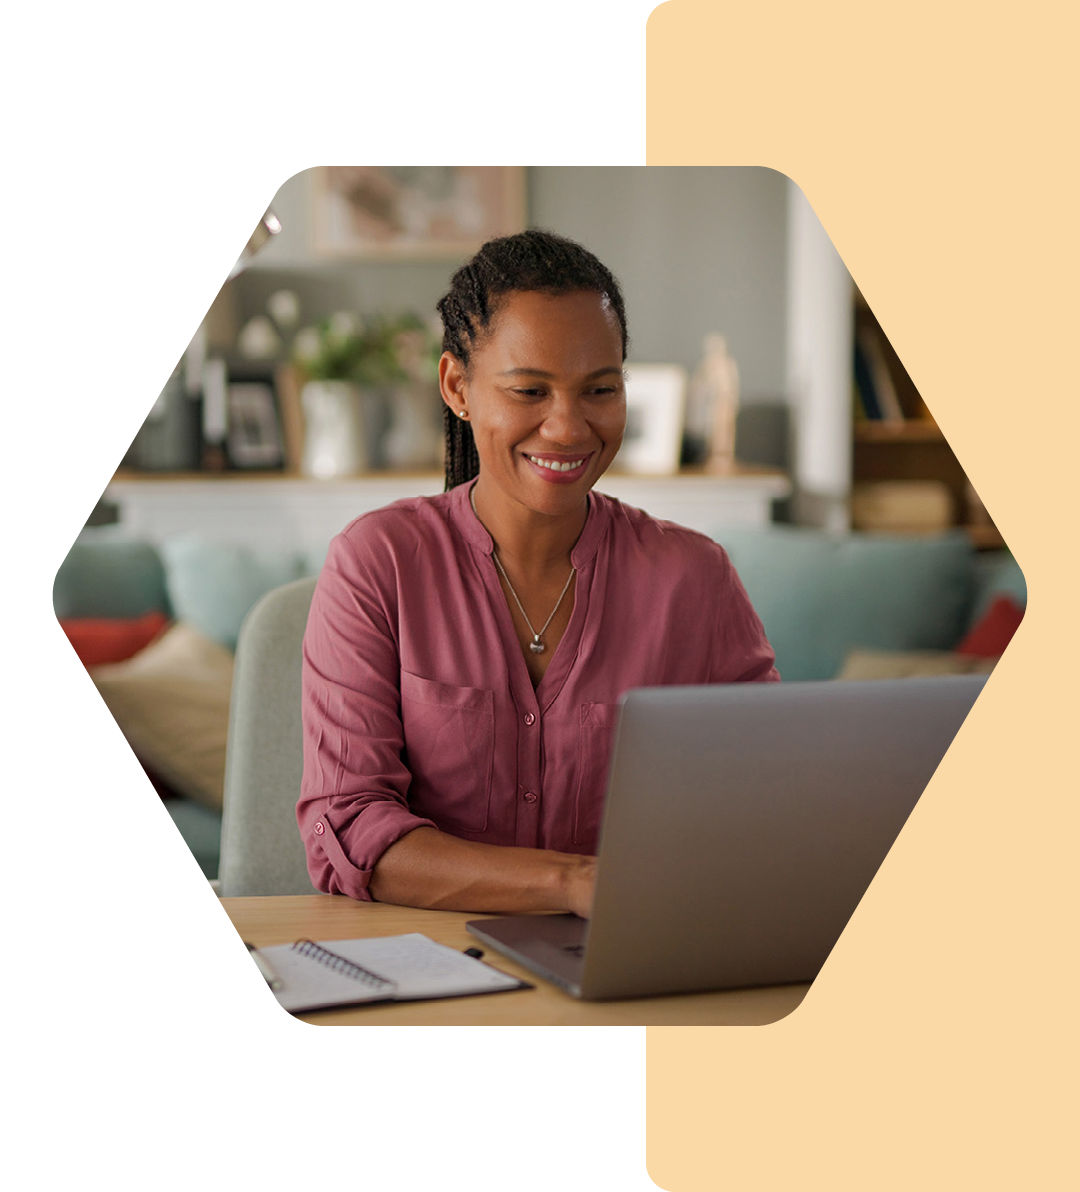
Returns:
point(717, 383)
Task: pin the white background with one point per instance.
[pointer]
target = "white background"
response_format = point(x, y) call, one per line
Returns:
point(143, 143)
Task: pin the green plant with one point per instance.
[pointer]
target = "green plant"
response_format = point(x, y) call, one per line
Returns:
point(376, 351)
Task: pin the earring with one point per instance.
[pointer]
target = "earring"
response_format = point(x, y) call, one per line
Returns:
point(462, 414)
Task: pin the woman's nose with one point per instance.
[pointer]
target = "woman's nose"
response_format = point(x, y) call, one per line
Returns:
point(565, 423)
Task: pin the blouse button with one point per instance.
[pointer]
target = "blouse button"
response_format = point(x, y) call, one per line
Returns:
point(530, 718)
point(530, 797)
point(319, 829)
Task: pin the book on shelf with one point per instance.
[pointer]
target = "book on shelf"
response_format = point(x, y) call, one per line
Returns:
point(873, 380)
point(315, 975)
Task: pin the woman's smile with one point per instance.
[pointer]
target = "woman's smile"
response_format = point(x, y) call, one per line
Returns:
point(557, 469)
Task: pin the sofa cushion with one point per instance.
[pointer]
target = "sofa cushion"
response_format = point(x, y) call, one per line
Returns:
point(911, 664)
point(106, 575)
point(97, 640)
point(994, 630)
point(997, 573)
point(171, 702)
point(821, 595)
point(213, 586)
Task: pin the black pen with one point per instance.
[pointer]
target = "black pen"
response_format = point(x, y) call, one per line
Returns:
point(271, 978)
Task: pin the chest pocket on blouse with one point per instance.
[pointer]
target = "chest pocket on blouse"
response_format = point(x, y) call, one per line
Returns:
point(449, 749)
point(597, 735)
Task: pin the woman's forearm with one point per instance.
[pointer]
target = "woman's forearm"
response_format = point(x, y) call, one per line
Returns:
point(431, 869)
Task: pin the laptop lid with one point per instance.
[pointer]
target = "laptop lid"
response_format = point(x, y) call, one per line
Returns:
point(744, 823)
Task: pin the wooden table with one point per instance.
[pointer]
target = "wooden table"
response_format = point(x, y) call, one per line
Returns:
point(263, 921)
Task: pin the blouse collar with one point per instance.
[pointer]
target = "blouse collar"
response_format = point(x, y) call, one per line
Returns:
point(472, 528)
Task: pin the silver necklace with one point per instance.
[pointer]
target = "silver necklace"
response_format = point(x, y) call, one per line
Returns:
point(536, 645)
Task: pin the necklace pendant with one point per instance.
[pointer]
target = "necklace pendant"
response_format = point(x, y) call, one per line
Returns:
point(536, 646)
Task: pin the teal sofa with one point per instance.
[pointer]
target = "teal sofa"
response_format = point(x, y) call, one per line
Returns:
point(821, 597)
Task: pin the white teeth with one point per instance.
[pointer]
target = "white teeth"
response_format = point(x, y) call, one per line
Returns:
point(569, 466)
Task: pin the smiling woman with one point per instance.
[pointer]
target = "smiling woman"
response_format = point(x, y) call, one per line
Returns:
point(544, 397)
point(456, 754)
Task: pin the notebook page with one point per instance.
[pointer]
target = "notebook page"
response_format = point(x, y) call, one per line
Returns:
point(309, 985)
point(421, 968)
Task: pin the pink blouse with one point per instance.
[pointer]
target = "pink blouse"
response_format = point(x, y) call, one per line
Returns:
point(418, 708)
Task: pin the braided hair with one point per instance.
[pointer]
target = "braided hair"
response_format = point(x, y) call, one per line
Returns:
point(528, 262)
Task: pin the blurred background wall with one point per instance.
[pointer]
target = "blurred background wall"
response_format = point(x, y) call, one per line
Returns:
point(696, 250)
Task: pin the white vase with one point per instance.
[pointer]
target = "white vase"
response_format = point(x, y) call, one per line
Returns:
point(333, 430)
point(415, 435)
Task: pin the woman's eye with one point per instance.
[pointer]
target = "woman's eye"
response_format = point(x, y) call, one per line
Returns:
point(529, 392)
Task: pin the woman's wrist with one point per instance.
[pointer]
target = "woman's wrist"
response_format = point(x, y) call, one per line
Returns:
point(578, 881)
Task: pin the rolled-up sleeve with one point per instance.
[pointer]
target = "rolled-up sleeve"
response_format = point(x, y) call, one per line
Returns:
point(353, 800)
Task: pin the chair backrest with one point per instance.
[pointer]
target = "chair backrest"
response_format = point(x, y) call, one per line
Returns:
point(261, 850)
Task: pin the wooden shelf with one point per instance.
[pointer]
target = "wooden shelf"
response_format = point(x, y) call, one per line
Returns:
point(700, 472)
point(914, 430)
point(239, 475)
point(912, 449)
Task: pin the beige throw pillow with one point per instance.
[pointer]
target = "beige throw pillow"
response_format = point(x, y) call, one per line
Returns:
point(171, 701)
point(910, 664)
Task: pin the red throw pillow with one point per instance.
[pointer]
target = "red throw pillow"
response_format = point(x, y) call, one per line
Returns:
point(994, 630)
point(98, 640)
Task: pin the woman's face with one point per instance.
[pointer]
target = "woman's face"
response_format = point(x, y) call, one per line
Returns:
point(545, 397)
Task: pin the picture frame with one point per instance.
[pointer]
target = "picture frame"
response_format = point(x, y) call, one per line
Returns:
point(655, 411)
point(414, 212)
point(253, 438)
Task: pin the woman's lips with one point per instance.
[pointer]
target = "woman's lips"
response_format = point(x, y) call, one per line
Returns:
point(559, 469)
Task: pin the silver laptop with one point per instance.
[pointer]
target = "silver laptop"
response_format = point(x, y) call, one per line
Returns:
point(743, 824)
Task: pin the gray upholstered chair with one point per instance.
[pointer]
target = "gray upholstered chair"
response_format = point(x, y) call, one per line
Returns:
point(261, 852)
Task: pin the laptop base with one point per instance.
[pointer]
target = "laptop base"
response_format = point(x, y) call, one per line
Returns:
point(552, 946)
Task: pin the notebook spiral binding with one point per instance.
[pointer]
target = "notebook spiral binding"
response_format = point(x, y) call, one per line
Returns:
point(339, 964)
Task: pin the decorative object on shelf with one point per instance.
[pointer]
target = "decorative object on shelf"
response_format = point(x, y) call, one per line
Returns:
point(414, 212)
point(415, 438)
point(169, 439)
point(283, 306)
point(655, 406)
point(712, 408)
point(334, 441)
point(254, 436)
point(391, 366)
point(258, 339)
point(215, 414)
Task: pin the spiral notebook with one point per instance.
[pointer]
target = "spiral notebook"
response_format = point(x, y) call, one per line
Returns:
point(314, 975)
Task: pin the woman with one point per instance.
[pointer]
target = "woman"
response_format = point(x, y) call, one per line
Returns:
point(465, 653)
